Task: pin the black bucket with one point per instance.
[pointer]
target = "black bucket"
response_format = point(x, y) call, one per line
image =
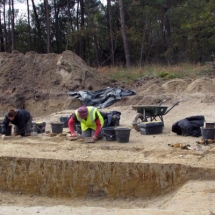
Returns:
point(8, 131)
point(78, 128)
point(208, 133)
point(40, 127)
point(110, 133)
point(117, 122)
point(122, 134)
point(64, 120)
point(57, 127)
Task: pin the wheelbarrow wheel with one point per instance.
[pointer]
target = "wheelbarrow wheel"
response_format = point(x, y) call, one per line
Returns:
point(138, 119)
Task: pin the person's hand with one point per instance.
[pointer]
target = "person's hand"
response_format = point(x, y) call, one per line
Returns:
point(94, 138)
point(73, 135)
point(19, 136)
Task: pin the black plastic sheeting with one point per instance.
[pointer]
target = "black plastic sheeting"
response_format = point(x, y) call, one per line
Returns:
point(101, 98)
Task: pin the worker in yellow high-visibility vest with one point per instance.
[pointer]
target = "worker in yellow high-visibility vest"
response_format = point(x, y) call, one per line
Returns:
point(91, 122)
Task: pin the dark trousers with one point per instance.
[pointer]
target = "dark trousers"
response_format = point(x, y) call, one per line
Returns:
point(90, 132)
point(28, 124)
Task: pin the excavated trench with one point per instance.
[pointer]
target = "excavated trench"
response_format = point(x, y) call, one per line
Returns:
point(73, 178)
point(60, 174)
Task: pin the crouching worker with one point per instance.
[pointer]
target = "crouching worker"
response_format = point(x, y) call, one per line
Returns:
point(21, 119)
point(91, 122)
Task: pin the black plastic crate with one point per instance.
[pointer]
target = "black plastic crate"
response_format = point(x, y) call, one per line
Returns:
point(147, 128)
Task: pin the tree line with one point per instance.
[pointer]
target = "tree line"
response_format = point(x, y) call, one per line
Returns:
point(119, 32)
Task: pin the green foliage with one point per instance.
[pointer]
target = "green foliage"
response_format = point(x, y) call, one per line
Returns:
point(158, 32)
point(186, 70)
point(166, 75)
point(22, 36)
point(194, 26)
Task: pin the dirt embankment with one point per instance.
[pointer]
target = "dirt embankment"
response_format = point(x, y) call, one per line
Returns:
point(153, 91)
point(40, 82)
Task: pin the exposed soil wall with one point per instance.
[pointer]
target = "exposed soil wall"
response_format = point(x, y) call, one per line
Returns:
point(70, 178)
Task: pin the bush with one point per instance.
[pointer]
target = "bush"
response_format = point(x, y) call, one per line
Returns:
point(167, 75)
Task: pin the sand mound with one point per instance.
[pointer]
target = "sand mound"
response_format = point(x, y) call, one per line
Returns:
point(176, 86)
point(201, 85)
point(154, 89)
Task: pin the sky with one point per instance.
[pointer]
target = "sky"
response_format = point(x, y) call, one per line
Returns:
point(22, 6)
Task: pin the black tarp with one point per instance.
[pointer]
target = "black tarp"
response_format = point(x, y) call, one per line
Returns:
point(101, 98)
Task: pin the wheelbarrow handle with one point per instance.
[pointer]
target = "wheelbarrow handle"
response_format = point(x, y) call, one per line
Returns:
point(176, 103)
point(162, 102)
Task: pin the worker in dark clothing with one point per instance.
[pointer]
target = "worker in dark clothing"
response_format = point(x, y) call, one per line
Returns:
point(22, 120)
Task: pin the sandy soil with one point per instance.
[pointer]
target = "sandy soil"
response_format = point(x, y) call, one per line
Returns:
point(39, 83)
point(195, 197)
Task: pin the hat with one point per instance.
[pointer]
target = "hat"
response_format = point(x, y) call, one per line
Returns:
point(82, 111)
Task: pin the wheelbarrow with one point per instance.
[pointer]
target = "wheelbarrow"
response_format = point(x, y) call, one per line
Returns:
point(151, 113)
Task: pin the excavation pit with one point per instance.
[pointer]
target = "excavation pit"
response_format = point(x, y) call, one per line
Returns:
point(139, 175)
point(73, 178)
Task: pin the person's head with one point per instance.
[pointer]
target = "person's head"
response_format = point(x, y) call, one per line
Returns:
point(82, 112)
point(11, 114)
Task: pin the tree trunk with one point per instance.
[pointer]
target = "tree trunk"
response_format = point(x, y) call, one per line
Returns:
point(13, 46)
point(76, 45)
point(47, 25)
point(5, 29)
point(1, 36)
point(69, 16)
point(93, 35)
point(81, 39)
point(29, 27)
point(110, 30)
point(167, 25)
point(38, 27)
point(124, 36)
point(56, 11)
point(9, 27)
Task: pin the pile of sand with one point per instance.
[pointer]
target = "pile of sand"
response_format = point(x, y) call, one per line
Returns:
point(175, 86)
point(40, 83)
point(201, 85)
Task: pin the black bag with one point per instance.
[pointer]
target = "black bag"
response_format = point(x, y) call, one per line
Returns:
point(189, 126)
point(111, 118)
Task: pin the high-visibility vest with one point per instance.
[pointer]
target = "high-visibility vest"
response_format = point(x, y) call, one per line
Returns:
point(90, 121)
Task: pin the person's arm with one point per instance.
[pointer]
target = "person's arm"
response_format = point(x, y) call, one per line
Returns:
point(5, 125)
point(71, 124)
point(98, 127)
